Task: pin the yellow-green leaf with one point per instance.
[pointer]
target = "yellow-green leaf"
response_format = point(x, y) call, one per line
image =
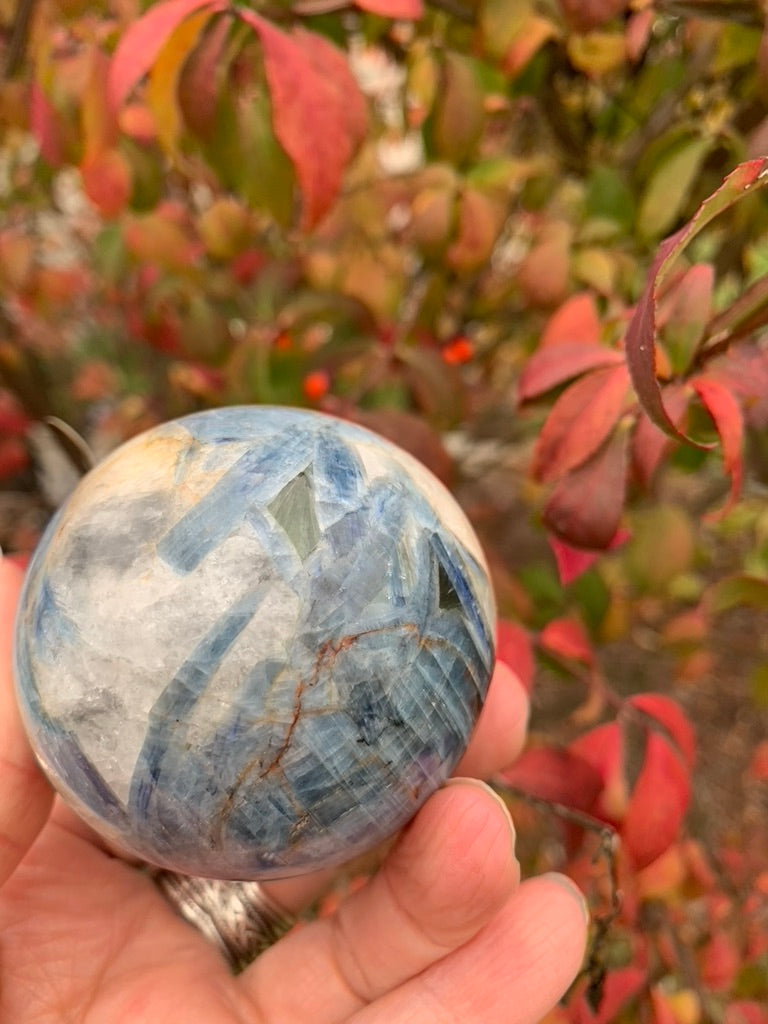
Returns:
point(460, 113)
point(421, 84)
point(500, 24)
point(740, 590)
point(165, 74)
point(669, 186)
point(737, 47)
point(597, 53)
point(266, 176)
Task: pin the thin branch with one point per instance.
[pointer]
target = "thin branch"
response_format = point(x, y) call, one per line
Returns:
point(310, 7)
point(594, 969)
point(745, 12)
point(17, 45)
point(455, 8)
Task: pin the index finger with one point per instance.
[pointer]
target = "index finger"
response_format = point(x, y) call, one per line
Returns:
point(25, 796)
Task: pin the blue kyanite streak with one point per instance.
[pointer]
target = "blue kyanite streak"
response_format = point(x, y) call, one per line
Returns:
point(253, 642)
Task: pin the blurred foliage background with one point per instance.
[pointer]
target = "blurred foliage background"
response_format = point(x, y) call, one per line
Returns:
point(384, 211)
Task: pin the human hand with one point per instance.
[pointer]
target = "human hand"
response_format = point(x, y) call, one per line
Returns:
point(444, 932)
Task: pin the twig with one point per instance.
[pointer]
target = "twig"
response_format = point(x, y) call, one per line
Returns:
point(17, 45)
point(310, 7)
point(454, 8)
point(594, 968)
point(745, 12)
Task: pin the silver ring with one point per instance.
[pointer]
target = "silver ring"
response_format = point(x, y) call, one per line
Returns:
point(238, 917)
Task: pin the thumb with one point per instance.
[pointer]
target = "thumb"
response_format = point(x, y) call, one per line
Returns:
point(25, 796)
point(449, 873)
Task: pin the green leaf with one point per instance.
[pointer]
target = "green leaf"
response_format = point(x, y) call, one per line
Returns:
point(149, 175)
point(500, 24)
point(669, 186)
point(459, 115)
point(422, 82)
point(758, 685)
point(265, 177)
point(737, 47)
point(738, 591)
point(592, 597)
point(662, 547)
point(597, 53)
point(609, 197)
point(109, 255)
point(641, 333)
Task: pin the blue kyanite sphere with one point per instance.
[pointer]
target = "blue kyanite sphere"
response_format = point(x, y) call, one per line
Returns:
point(253, 641)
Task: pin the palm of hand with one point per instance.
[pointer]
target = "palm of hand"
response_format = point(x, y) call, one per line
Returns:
point(86, 937)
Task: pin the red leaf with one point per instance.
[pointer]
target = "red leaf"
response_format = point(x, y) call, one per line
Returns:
point(669, 713)
point(758, 765)
point(107, 181)
point(99, 123)
point(318, 111)
point(576, 322)
point(720, 962)
point(331, 65)
point(514, 648)
point(658, 802)
point(746, 1011)
point(638, 33)
point(44, 124)
point(641, 333)
point(744, 371)
point(557, 775)
point(584, 15)
point(585, 507)
point(621, 986)
point(412, 433)
point(662, 1011)
point(603, 748)
point(13, 457)
point(13, 419)
point(143, 41)
point(557, 362)
point(135, 120)
point(726, 413)
point(198, 84)
point(649, 443)
point(573, 562)
point(579, 422)
point(408, 10)
point(567, 638)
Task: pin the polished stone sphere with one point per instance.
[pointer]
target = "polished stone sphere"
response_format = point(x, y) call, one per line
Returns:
point(252, 642)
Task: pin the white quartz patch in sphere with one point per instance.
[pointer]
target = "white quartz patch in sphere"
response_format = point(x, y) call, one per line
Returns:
point(253, 641)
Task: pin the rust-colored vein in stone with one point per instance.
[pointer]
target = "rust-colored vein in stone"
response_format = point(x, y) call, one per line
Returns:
point(326, 654)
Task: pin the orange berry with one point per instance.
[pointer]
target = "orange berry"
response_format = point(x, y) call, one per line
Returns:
point(283, 342)
point(458, 351)
point(316, 384)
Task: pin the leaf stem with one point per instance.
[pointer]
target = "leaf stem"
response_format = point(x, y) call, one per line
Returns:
point(17, 44)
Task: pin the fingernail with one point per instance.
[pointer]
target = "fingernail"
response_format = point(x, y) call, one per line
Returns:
point(477, 784)
point(570, 887)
